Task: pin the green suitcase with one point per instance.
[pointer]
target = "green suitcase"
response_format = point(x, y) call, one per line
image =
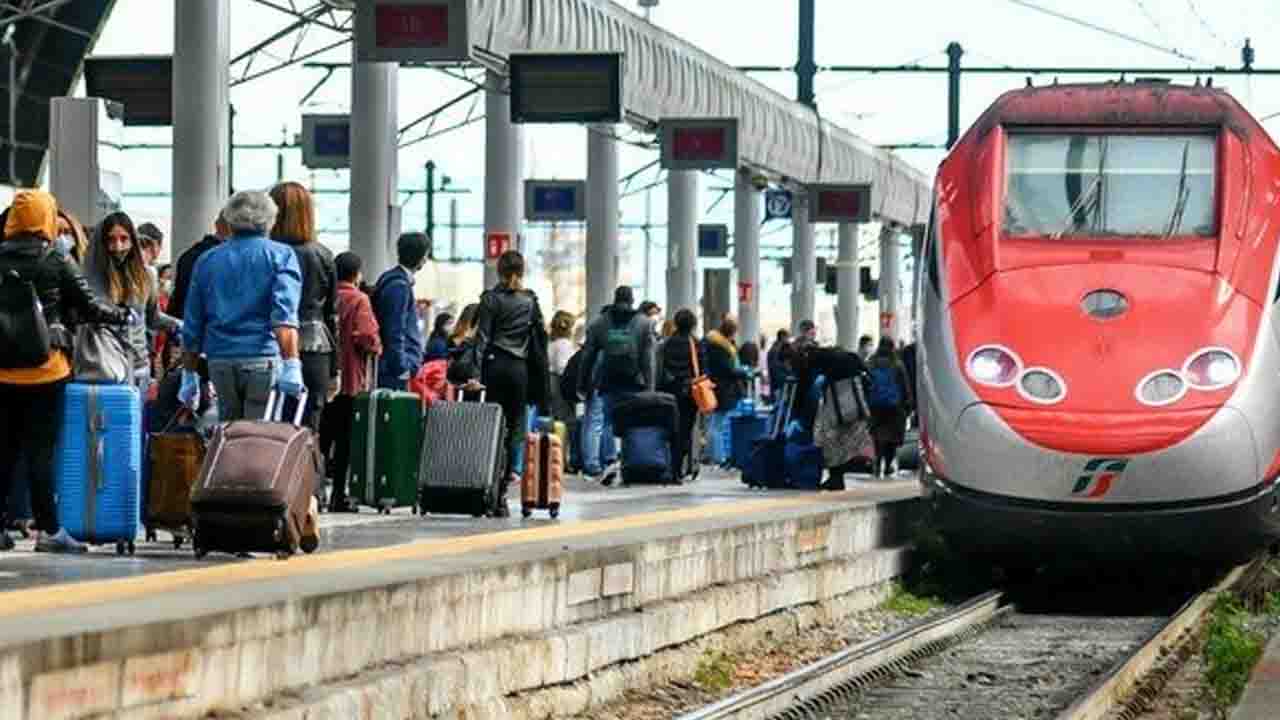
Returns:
point(386, 440)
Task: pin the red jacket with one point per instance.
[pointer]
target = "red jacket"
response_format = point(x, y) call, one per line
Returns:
point(357, 336)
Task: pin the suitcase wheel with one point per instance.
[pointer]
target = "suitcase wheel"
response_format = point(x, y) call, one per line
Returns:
point(122, 547)
point(527, 512)
point(151, 534)
point(555, 511)
point(177, 542)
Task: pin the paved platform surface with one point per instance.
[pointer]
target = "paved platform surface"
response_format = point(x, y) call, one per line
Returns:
point(584, 502)
point(1261, 699)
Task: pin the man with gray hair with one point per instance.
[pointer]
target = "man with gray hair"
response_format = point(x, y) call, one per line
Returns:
point(242, 313)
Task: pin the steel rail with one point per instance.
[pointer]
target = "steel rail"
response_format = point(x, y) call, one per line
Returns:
point(863, 660)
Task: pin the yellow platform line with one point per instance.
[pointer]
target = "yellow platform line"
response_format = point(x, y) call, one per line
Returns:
point(92, 592)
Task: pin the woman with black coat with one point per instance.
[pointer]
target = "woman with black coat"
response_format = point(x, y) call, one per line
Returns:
point(675, 375)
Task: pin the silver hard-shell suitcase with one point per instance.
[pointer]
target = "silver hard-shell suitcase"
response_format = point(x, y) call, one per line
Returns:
point(463, 458)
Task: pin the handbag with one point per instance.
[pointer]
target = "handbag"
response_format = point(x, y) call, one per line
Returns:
point(841, 428)
point(101, 356)
point(701, 388)
point(24, 332)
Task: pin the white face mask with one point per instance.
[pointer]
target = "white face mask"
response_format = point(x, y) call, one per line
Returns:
point(66, 243)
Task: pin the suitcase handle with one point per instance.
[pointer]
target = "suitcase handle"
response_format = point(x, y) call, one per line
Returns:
point(275, 408)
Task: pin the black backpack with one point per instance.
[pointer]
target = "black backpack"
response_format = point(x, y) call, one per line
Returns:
point(621, 354)
point(569, 379)
point(24, 332)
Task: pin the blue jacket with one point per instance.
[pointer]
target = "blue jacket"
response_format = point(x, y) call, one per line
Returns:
point(393, 303)
point(241, 291)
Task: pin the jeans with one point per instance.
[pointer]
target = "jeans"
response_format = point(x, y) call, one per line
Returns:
point(29, 425)
point(244, 385)
point(717, 431)
point(599, 448)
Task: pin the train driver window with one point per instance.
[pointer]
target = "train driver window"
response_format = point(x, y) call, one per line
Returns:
point(1110, 185)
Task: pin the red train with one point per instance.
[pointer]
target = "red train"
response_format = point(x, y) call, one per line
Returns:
point(1099, 345)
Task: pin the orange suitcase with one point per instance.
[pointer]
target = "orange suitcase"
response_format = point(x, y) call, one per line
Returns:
point(543, 483)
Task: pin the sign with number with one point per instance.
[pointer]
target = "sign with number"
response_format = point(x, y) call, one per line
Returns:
point(496, 243)
point(840, 203)
point(746, 291)
point(326, 141)
point(713, 241)
point(413, 31)
point(555, 200)
point(777, 205)
point(699, 143)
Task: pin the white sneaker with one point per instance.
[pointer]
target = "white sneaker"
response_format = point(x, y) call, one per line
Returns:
point(610, 474)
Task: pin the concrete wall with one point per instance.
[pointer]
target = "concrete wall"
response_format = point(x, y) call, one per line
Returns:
point(468, 637)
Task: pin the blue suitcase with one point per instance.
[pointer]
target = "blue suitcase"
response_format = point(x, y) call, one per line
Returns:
point(98, 464)
point(803, 465)
point(765, 466)
point(646, 456)
point(744, 430)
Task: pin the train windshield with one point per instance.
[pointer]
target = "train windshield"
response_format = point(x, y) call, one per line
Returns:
point(1094, 185)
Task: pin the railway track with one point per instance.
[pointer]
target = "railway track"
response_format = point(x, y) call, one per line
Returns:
point(984, 659)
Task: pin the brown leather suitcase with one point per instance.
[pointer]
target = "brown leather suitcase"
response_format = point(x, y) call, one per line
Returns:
point(255, 492)
point(542, 486)
point(176, 458)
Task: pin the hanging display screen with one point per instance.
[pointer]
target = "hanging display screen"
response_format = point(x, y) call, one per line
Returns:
point(566, 87)
point(143, 84)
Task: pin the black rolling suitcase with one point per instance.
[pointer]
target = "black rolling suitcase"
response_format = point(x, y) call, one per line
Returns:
point(463, 458)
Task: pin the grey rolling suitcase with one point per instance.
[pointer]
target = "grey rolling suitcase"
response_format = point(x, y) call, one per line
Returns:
point(463, 458)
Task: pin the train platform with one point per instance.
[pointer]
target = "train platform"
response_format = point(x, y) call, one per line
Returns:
point(420, 603)
point(1261, 699)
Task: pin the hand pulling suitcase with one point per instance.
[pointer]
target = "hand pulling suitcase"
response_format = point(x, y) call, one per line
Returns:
point(175, 457)
point(256, 487)
point(386, 437)
point(98, 464)
point(463, 458)
point(646, 456)
point(767, 467)
point(542, 485)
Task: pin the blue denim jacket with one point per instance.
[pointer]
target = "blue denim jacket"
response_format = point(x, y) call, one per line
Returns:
point(241, 291)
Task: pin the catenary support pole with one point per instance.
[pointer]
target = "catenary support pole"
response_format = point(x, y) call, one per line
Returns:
point(503, 169)
point(890, 290)
point(682, 240)
point(602, 217)
point(202, 44)
point(847, 287)
point(804, 264)
point(746, 244)
point(374, 118)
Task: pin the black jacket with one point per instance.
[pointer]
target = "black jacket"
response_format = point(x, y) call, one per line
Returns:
point(318, 303)
point(591, 378)
point(675, 364)
point(510, 321)
point(182, 275)
point(832, 363)
point(60, 286)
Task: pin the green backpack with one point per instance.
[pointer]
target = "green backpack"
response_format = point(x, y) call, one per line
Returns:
point(621, 355)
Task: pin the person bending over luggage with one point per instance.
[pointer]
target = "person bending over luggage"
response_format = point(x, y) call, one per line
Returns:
point(675, 376)
point(511, 342)
point(242, 313)
point(37, 368)
point(890, 401)
point(318, 306)
point(617, 360)
point(397, 311)
point(807, 362)
point(117, 270)
point(358, 341)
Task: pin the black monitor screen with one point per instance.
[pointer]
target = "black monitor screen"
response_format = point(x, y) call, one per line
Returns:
point(144, 85)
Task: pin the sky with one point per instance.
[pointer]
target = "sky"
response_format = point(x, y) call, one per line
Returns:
point(884, 108)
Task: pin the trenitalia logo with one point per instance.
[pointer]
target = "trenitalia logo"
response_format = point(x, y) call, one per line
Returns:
point(1098, 476)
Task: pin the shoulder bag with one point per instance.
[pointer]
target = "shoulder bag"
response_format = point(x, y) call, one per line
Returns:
point(701, 387)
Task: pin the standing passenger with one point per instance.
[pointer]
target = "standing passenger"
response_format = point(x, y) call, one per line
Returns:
point(318, 306)
point(617, 360)
point(890, 397)
point(358, 341)
point(393, 303)
point(675, 376)
point(32, 397)
point(242, 312)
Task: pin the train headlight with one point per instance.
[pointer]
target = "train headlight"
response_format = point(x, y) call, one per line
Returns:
point(1212, 369)
point(1162, 387)
point(995, 366)
point(1042, 385)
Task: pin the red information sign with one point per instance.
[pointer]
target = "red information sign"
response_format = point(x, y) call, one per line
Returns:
point(886, 322)
point(496, 243)
point(840, 203)
point(701, 144)
point(411, 26)
point(745, 291)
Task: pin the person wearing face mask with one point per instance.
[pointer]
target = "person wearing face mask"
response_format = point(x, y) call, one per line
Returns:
point(117, 270)
point(71, 237)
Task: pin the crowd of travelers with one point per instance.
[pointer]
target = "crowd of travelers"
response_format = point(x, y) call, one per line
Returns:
point(259, 305)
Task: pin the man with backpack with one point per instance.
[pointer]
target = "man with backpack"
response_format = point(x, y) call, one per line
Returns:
point(617, 360)
point(890, 400)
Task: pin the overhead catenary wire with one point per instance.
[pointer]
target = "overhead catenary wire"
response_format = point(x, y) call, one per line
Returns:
point(1103, 29)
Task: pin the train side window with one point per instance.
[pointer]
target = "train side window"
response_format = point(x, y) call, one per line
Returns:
point(931, 252)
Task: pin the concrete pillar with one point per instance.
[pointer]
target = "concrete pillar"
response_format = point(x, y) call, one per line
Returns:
point(503, 168)
point(804, 264)
point(890, 322)
point(682, 240)
point(374, 122)
point(746, 243)
point(201, 57)
point(847, 284)
point(602, 218)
